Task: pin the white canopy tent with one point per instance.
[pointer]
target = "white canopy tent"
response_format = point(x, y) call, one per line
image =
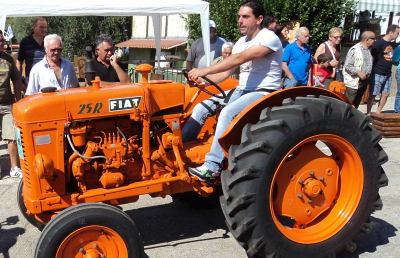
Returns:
point(380, 6)
point(154, 8)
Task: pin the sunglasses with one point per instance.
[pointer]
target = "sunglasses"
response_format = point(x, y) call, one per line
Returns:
point(337, 37)
point(107, 50)
point(53, 50)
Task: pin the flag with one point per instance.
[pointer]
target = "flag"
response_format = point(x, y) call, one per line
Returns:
point(9, 34)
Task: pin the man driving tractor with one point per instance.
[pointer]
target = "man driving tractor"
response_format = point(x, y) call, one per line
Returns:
point(258, 53)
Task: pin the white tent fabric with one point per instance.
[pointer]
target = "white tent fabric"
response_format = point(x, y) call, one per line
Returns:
point(380, 6)
point(154, 8)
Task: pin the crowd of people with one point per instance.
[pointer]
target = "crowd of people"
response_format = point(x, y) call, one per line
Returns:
point(39, 65)
point(367, 63)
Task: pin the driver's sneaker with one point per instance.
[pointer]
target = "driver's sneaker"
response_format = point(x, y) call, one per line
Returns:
point(16, 172)
point(204, 173)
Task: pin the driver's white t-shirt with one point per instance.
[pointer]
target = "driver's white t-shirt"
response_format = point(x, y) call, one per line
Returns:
point(264, 72)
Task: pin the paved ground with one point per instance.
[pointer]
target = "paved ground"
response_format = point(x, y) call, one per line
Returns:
point(173, 230)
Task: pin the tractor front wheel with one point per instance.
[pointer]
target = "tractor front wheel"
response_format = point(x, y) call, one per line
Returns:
point(90, 230)
point(304, 180)
point(22, 208)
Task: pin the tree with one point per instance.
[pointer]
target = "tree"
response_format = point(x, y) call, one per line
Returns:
point(77, 32)
point(318, 15)
point(224, 13)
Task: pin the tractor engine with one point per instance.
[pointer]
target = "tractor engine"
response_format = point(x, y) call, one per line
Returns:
point(104, 153)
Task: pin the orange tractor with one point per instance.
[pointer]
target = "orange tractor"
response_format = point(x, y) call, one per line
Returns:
point(301, 179)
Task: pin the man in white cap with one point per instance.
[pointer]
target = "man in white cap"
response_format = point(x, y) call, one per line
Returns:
point(196, 57)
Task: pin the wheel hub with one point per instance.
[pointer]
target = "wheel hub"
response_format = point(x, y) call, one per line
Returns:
point(312, 187)
point(316, 188)
point(91, 252)
point(311, 181)
point(93, 241)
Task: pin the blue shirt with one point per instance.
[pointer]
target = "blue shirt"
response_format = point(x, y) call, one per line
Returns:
point(298, 60)
point(42, 76)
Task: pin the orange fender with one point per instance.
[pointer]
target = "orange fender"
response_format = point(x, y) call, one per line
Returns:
point(252, 113)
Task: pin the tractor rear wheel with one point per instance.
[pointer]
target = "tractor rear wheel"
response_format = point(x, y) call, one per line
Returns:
point(90, 230)
point(22, 208)
point(304, 179)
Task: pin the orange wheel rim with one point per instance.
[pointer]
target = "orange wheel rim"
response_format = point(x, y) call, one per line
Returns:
point(316, 188)
point(93, 242)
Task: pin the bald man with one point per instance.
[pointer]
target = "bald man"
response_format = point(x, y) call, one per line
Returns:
point(358, 67)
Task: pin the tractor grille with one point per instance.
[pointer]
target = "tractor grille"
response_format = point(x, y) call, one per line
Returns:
point(21, 142)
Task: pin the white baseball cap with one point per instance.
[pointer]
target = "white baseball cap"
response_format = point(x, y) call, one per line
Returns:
point(212, 24)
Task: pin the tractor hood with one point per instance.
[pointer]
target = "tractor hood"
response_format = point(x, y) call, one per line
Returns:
point(91, 102)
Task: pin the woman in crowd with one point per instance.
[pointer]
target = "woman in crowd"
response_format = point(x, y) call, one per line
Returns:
point(331, 47)
point(282, 32)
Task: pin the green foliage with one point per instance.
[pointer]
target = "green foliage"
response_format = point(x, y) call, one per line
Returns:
point(20, 26)
point(77, 32)
point(224, 13)
point(318, 15)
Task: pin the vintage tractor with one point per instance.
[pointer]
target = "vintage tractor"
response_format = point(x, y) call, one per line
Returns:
point(301, 179)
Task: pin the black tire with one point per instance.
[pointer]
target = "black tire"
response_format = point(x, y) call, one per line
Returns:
point(22, 208)
point(77, 217)
point(249, 182)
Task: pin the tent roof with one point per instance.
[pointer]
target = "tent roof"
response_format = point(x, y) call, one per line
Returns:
point(100, 7)
point(380, 6)
point(25, 8)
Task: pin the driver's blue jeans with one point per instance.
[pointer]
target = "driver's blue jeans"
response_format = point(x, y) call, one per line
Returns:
point(238, 101)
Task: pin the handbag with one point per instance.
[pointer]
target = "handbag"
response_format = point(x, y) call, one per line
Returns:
point(339, 74)
point(339, 68)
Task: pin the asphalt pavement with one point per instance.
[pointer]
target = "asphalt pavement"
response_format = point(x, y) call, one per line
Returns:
point(171, 229)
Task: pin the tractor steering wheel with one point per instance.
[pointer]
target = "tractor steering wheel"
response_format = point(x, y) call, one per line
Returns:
point(194, 84)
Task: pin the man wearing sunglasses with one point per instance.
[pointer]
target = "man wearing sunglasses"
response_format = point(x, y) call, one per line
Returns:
point(358, 67)
point(52, 70)
point(106, 64)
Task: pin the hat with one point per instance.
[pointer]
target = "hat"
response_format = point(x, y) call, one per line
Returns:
point(212, 24)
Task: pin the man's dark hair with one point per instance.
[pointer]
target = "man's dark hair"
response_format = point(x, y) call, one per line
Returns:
point(256, 6)
point(391, 28)
point(103, 38)
point(270, 19)
point(36, 20)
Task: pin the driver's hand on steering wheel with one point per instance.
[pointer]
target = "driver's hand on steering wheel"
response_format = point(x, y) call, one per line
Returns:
point(196, 73)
